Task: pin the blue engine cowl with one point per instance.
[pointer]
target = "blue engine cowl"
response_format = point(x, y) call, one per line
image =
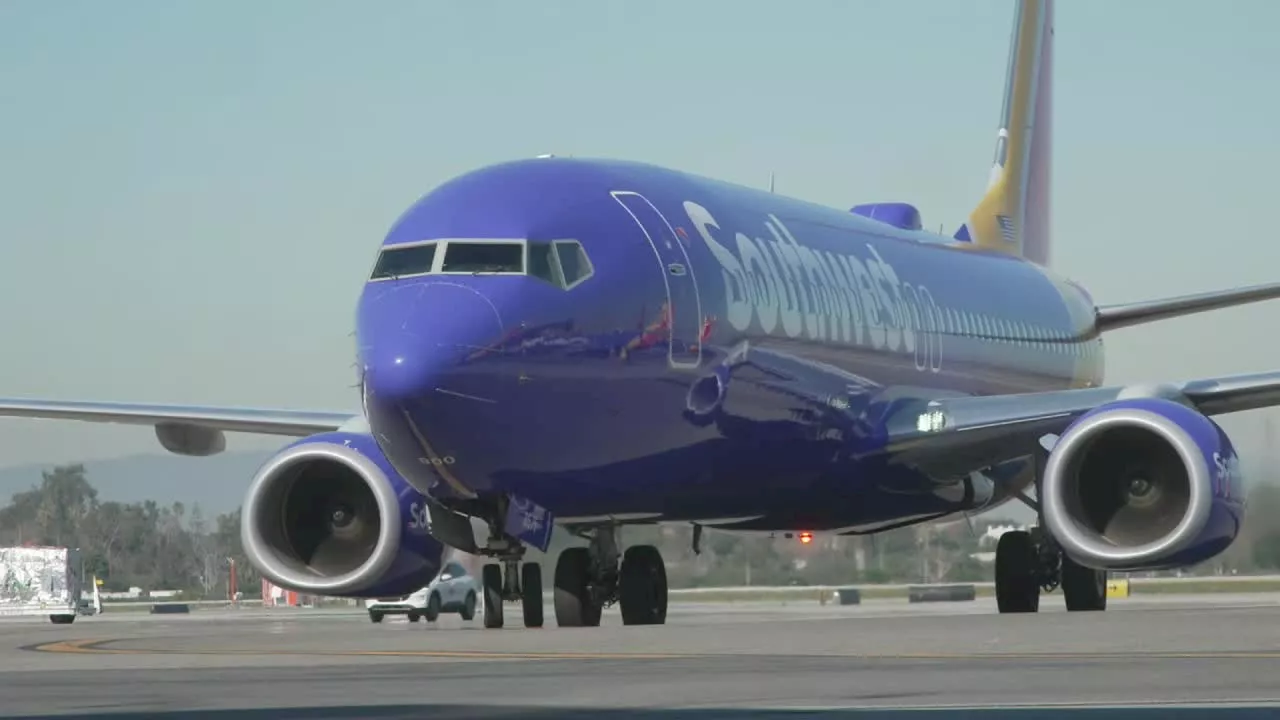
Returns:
point(328, 515)
point(1143, 484)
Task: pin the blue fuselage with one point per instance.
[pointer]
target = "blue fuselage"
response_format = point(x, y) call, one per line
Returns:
point(699, 351)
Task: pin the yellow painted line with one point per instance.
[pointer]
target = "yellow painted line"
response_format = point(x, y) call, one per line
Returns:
point(68, 646)
point(101, 647)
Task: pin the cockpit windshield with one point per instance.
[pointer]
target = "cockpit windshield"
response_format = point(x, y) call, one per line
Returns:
point(563, 263)
point(483, 257)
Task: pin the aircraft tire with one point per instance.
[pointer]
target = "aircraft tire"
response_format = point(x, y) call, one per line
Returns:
point(1017, 587)
point(1083, 589)
point(531, 594)
point(492, 581)
point(575, 606)
point(642, 587)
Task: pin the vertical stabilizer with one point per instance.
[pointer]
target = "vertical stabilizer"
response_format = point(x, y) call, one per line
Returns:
point(1013, 216)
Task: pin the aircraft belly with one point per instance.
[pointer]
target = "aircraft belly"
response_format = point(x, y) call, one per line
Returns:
point(790, 444)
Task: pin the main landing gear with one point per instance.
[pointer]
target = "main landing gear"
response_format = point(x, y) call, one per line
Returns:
point(1029, 561)
point(587, 580)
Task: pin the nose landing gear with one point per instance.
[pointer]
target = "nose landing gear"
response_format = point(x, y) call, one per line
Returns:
point(511, 580)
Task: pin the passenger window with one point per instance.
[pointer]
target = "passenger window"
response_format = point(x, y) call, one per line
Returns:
point(542, 263)
point(483, 257)
point(403, 261)
point(574, 264)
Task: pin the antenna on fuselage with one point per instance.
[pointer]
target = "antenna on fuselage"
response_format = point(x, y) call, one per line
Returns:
point(770, 181)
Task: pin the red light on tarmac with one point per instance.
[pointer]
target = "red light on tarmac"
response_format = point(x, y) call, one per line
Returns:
point(806, 537)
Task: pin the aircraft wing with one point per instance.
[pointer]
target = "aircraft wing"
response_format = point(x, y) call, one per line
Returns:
point(1113, 317)
point(293, 423)
point(959, 434)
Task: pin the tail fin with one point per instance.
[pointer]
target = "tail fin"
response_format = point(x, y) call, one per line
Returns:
point(1013, 216)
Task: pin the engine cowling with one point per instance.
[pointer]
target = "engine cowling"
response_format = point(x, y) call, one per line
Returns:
point(328, 515)
point(1143, 484)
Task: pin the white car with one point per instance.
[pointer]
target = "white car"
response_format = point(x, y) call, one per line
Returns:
point(453, 590)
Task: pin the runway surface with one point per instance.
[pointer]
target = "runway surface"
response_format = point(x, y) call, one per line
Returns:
point(710, 660)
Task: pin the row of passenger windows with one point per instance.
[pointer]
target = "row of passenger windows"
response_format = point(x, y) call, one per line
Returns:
point(1018, 334)
point(563, 263)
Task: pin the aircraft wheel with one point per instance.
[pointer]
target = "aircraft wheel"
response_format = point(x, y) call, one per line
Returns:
point(492, 577)
point(1083, 588)
point(1017, 583)
point(642, 588)
point(531, 594)
point(574, 602)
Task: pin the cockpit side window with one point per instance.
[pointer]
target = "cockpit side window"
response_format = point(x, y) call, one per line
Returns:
point(574, 263)
point(483, 257)
point(543, 265)
point(404, 261)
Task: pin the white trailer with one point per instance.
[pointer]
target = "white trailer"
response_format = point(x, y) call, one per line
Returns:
point(40, 581)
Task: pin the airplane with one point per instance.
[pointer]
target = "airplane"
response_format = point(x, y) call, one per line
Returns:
point(585, 344)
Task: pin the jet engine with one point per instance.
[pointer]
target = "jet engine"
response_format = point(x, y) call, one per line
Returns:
point(328, 515)
point(1142, 484)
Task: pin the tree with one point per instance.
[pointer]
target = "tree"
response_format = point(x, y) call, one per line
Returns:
point(1266, 551)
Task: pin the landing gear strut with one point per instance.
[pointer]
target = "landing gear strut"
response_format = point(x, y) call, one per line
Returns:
point(511, 579)
point(588, 579)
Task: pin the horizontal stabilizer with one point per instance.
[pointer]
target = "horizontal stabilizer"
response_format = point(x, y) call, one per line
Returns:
point(1113, 317)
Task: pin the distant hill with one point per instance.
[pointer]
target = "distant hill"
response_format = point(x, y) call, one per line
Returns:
point(218, 483)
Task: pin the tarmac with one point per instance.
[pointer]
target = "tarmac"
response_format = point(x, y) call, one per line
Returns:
point(1170, 656)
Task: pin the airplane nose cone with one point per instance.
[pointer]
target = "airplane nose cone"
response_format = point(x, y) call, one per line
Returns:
point(412, 336)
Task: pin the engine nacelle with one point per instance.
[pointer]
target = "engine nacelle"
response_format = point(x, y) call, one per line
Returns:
point(1143, 484)
point(329, 516)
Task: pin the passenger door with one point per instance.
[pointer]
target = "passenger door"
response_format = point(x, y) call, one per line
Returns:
point(684, 306)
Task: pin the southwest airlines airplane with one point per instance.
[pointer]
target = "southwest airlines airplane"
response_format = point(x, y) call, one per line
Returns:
point(587, 344)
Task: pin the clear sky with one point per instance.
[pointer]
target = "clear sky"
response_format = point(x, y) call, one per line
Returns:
point(191, 193)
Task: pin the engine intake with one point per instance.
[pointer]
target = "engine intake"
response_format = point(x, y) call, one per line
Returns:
point(325, 517)
point(1142, 484)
